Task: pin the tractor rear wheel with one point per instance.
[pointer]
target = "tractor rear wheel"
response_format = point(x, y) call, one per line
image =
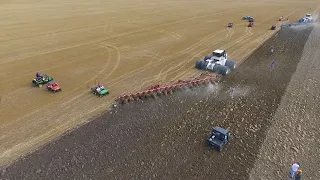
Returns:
point(231, 64)
point(225, 70)
point(201, 64)
point(219, 69)
point(198, 64)
point(204, 65)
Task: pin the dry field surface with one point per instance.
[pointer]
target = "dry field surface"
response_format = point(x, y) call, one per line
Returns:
point(165, 138)
point(125, 45)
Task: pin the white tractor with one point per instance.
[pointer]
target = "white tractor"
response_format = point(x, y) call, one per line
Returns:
point(306, 19)
point(218, 63)
point(308, 16)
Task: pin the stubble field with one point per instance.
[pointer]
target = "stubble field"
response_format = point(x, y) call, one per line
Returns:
point(124, 45)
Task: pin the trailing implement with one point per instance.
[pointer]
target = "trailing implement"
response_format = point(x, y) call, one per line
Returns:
point(166, 89)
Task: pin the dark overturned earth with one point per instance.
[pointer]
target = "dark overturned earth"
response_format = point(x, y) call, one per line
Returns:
point(165, 138)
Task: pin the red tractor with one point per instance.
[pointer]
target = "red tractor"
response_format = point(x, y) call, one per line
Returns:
point(54, 87)
point(250, 24)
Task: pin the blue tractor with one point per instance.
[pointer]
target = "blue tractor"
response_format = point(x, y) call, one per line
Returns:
point(218, 138)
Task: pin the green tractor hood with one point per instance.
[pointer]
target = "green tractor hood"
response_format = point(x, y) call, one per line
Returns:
point(104, 92)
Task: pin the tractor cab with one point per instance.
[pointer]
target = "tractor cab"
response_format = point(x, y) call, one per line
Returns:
point(219, 55)
point(218, 138)
point(247, 17)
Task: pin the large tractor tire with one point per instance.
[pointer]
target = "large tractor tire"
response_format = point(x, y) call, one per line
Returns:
point(34, 83)
point(204, 65)
point(223, 70)
point(231, 64)
point(198, 64)
point(201, 65)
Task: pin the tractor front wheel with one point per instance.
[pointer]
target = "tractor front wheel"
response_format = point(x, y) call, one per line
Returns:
point(231, 64)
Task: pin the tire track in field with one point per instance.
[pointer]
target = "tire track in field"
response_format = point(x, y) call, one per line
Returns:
point(141, 69)
point(59, 65)
point(65, 103)
point(230, 32)
point(115, 36)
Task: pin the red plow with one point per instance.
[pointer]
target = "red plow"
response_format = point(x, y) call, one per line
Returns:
point(165, 89)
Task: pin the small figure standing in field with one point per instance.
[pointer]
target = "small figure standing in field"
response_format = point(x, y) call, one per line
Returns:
point(272, 51)
point(294, 168)
point(232, 92)
point(272, 64)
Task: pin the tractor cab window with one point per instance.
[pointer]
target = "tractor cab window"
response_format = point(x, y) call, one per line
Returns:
point(218, 54)
point(308, 15)
point(219, 135)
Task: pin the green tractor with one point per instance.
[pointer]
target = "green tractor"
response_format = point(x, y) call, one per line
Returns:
point(41, 79)
point(99, 91)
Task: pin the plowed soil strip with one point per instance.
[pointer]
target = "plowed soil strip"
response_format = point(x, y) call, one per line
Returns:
point(294, 134)
point(165, 139)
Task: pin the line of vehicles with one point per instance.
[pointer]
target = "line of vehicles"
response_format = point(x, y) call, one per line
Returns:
point(249, 18)
point(43, 79)
point(307, 19)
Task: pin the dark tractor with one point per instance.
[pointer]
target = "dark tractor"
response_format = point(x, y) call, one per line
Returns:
point(219, 137)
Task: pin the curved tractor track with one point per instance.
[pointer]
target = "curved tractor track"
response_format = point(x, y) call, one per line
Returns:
point(124, 46)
